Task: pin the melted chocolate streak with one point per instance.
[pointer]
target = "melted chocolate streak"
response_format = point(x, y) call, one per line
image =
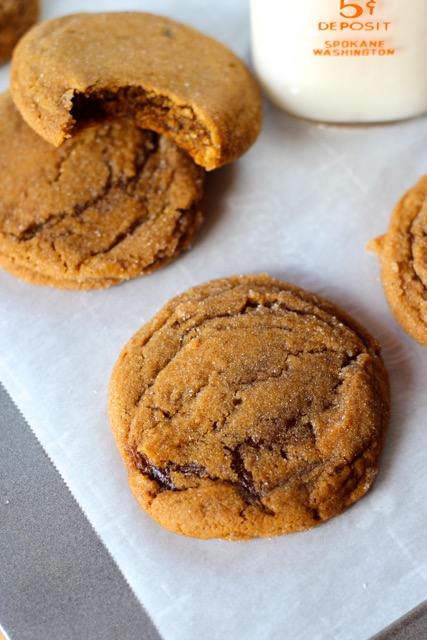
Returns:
point(161, 475)
point(245, 484)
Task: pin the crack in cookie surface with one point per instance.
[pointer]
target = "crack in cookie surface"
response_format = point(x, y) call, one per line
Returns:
point(277, 408)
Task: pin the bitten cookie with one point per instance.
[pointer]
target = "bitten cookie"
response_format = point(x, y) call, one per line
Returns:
point(16, 17)
point(249, 407)
point(402, 252)
point(161, 74)
point(112, 203)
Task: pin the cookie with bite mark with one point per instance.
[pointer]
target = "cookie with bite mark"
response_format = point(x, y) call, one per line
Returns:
point(151, 70)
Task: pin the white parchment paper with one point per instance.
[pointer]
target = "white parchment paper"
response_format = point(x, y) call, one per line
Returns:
point(301, 205)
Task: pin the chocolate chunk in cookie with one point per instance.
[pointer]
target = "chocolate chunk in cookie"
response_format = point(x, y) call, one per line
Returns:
point(249, 407)
point(112, 203)
point(156, 72)
point(403, 256)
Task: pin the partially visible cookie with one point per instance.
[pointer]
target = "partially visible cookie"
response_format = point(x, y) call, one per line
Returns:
point(249, 407)
point(16, 17)
point(402, 252)
point(161, 74)
point(112, 203)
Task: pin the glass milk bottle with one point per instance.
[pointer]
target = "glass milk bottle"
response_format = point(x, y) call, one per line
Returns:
point(341, 60)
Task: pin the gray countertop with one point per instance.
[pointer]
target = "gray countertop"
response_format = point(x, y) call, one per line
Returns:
point(57, 580)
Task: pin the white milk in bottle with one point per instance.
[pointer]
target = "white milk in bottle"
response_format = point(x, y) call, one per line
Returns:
point(342, 61)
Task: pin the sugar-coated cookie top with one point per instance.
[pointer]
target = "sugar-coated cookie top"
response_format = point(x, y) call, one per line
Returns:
point(165, 75)
point(112, 203)
point(249, 407)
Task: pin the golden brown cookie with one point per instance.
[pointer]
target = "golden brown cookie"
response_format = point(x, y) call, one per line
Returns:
point(249, 407)
point(112, 203)
point(403, 256)
point(16, 17)
point(161, 74)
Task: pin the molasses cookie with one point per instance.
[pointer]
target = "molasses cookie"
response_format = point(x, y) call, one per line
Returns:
point(16, 17)
point(112, 203)
point(249, 407)
point(158, 73)
point(402, 252)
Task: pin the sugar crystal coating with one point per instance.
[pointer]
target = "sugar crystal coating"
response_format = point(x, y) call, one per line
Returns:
point(249, 407)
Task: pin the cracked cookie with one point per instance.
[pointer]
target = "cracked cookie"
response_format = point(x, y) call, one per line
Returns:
point(112, 203)
point(16, 17)
point(402, 252)
point(158, 73)
point(248, 407)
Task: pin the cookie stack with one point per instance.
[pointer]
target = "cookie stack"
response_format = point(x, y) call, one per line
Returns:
point(247, 406)
point(112, 122)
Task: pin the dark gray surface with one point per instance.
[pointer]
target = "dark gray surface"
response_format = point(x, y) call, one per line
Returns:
point(413, 626)
point(57, 580)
